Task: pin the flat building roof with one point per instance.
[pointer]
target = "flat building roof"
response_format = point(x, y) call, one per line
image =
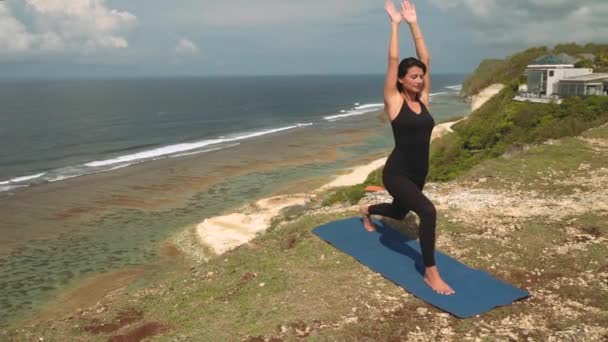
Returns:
point(588, 77)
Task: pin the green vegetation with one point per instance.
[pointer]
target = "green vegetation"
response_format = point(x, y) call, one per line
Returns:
point(576, 49)
point(585, 63)
point(352, 194)
point(599, 50)
point(503, 125)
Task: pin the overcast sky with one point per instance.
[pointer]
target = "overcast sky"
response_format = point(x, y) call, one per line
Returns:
point(94, 38)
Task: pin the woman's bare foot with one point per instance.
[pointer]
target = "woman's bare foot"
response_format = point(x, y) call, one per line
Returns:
point(367, 220)
point(433, 279)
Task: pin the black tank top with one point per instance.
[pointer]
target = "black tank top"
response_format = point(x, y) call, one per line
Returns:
point(412, 133)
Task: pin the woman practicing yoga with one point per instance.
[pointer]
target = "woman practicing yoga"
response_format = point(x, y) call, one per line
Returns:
point(406, 101)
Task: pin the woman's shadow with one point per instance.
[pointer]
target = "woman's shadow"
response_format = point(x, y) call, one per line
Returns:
point(395, 235)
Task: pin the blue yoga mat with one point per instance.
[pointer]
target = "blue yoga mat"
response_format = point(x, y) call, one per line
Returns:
point(391, 254)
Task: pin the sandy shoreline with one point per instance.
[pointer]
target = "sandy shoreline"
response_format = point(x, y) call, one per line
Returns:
point(225, 232)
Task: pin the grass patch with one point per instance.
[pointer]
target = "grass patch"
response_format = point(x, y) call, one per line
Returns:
point(600, 132)
point(540, 168)
point(445, 224)
point(592, 223)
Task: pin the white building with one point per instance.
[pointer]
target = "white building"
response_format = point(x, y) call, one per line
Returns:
point(546, 72)
point(553, 77)
point(584, 85)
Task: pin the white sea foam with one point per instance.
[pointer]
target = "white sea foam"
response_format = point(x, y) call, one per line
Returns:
point(203, 151)
point(64, 177)
point(22, 178)
point(366, 108)
point(118, 167)
point(10, 187)
point(171, 149)
point(357, 110)
point(370, 105)
point(457, 87)
point(68, 172)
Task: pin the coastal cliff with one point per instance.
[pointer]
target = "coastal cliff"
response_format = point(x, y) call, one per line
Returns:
point(535, 218)
point(520, 193)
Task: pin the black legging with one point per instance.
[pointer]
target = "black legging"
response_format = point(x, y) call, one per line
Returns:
point(407, 195)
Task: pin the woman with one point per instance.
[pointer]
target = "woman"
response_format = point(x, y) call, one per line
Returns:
point(406, 101)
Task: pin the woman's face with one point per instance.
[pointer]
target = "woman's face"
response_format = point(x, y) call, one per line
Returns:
point(413, 81)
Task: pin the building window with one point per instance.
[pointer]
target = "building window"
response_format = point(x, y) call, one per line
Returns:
point(551, 73)
point(580, 89)
point(572, 89)
point(535, 81)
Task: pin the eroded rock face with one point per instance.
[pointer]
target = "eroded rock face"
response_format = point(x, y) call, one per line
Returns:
point(479, 99)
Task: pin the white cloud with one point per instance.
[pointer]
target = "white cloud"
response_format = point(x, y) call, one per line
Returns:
point(13, 34)
point(532, 22)
point(80, 26)
point(239, 13)
point(185, 47)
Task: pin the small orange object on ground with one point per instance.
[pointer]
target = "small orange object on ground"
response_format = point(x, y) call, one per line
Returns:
point(373, 188)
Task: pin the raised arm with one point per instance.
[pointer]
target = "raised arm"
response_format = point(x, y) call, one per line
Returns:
point(409, 15)
point(390, 83)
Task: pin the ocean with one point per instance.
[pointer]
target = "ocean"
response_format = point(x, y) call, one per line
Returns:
point(54, 130)
point(96, 174)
